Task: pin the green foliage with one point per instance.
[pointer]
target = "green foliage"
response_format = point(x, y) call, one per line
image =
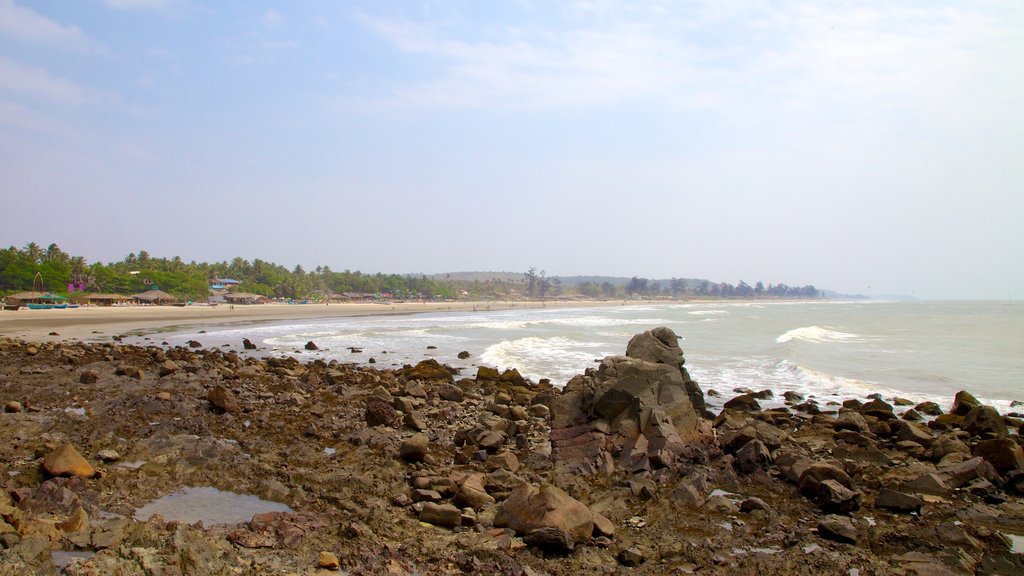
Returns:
point(141, 271)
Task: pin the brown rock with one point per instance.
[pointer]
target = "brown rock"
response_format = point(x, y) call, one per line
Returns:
point(328, 561)
point(223, 400)
point(530, 507)
point(963, 402)
point(811, 478)
point(89, 377)
point(414, 448)
point(311, 346)
point(444, 515)
point(984, 421)
point(66, 461)
point(428, 369)
point(1003, 453)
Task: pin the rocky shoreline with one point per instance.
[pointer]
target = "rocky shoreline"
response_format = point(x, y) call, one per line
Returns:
point(420, 470)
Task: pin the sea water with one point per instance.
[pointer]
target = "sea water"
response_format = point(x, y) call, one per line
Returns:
point(829, 349)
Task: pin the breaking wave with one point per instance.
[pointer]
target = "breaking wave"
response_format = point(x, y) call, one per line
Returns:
point(816, 334)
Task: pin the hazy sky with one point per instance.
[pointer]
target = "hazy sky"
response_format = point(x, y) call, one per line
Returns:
point(845, 144)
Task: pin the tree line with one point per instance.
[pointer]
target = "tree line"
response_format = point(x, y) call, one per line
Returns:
point(62, 273)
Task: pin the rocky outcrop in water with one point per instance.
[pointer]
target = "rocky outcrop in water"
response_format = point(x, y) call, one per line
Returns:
point(634, 412)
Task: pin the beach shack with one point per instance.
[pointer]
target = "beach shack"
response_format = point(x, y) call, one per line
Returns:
point(157, 297)
point(35, 299)
point(106, 299)
point(245, 298)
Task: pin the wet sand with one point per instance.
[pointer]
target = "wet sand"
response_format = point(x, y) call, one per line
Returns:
point(93, 323)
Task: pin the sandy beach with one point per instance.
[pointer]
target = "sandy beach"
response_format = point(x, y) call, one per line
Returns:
point(93, 323)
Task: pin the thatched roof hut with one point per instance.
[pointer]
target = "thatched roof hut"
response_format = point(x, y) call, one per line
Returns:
point(23, 298)
point(106, 299)
point(155, 297)
point(245, 298)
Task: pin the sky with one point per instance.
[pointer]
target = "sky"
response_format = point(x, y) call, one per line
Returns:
point(865, 147)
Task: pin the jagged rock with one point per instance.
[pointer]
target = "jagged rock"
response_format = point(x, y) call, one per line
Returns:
point(834, 497)
point(753, 456)
point(959, 475)
point(66, 461)
point(838, 528)
point(223, 400)
point(963, 402)
point(850, 420)
point(984, 421)
point(247, 344)
point(661, 346)
point(913, 433)
point(687, 494)
point(1003, 453)
point(531, 507)
point(898, 501)
point(929, 483)
point(311, 346)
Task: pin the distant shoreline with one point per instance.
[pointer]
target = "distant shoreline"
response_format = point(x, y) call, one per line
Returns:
point(101, 323)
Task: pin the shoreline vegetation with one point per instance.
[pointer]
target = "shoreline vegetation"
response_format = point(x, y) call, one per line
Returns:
point(53, 271)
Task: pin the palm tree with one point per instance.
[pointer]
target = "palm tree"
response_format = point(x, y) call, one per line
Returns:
point(34, 252)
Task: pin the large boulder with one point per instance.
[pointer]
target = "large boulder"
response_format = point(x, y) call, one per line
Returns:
point(984, 421)
point(530, 508)
point(640, 403)
point(661, 346)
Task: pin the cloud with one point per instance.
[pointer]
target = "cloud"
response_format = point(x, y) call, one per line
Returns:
point(22, 79)
point(709, 56)
point(24, 23)
point(14, 115)
point(136, 4)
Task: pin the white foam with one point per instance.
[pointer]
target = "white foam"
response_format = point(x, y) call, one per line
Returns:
point(817, 334)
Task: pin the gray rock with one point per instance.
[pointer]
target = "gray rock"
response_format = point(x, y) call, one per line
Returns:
point(753, 456)
point(838, 529)
point(898, 501)
point(834, 497)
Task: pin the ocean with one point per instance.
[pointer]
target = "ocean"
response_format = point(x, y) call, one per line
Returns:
point(829, 350)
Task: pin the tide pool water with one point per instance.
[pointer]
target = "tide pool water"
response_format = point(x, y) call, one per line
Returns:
point(828, 349)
